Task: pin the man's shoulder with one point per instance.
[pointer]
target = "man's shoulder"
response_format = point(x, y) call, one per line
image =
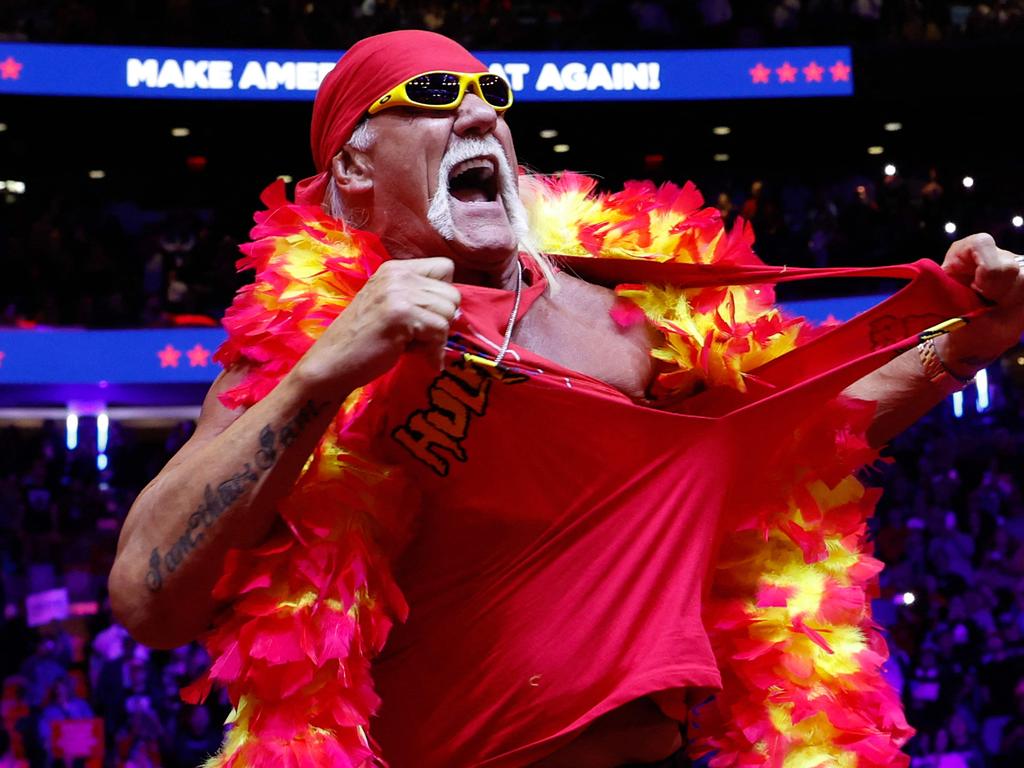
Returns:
point(575, 292)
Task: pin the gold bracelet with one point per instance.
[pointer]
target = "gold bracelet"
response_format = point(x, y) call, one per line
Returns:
point(935, 369)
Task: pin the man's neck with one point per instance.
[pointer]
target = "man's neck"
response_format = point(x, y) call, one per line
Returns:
point(504, 277)
point(501, 272)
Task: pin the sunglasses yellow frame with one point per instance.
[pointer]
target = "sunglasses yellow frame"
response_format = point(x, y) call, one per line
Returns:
point(398, 97)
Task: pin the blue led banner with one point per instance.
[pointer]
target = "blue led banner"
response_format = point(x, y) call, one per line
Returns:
point(212, 73)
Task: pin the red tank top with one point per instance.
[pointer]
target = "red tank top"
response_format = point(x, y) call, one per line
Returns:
point(566, 532)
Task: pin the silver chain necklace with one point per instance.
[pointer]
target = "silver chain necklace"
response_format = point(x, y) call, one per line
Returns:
point(512, 315)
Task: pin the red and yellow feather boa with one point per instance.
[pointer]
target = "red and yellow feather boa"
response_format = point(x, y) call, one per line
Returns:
point(788, 613)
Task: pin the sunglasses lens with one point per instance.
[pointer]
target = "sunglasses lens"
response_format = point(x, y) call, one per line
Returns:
point(495, 91)
point(434, 88)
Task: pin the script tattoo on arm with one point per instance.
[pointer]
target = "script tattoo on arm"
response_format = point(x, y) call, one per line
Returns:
point(216, 500)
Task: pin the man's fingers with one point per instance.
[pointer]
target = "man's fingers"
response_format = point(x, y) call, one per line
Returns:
point(429, 335)
point(439, 305)
point(437, 267)
point(427, 325)
point(442, 290)
point(978, 262)
point(997, 274)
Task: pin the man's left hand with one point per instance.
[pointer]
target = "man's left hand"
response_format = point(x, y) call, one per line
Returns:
point(996, 275)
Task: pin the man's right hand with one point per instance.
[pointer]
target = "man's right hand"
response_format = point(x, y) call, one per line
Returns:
point(408, 304)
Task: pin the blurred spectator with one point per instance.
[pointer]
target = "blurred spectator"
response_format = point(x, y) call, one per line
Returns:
point(139, 742)
point(198, 738)
point(61, 704)
point(45, 667)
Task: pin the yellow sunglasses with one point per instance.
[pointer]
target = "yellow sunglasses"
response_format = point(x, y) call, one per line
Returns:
point(445, 90)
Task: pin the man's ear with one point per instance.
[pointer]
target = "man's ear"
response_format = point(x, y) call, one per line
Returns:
point(352, 171)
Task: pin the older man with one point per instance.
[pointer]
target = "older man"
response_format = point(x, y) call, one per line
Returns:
point(411, 143)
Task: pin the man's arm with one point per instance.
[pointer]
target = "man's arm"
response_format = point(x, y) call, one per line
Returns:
point(901, 389)
point(220, 491)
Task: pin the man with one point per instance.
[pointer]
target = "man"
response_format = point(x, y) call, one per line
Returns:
point(426, 163)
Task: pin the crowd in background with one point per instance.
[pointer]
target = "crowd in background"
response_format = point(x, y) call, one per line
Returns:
point(59, 520)
point(110, 265)
point(951, 529)
point(520, 24)
point(74, 264)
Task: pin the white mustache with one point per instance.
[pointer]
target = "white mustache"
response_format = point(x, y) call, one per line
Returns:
point(459, 150)
point(466, 149)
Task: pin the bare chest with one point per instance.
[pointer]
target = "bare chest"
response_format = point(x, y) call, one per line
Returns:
point(574, 328)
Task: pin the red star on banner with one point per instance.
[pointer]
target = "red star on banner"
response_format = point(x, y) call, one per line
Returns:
point(169, 357)
point(760, 73)
point(839, 72)
point(198, 356)
point(786, 73)
point(10, 69)
point(813, 72)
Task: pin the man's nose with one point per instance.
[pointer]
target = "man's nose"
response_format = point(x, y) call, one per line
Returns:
point(475, 116)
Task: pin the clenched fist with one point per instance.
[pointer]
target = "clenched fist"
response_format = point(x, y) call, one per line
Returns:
point(995, 274)
point(407, 305)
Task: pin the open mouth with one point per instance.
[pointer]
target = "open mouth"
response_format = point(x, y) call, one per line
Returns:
point(474, 181)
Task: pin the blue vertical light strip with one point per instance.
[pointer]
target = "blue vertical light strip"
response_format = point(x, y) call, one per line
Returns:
point(981, 383)
point(958, 404)
point(102, 435)
point(71, 431)
point(102, 431)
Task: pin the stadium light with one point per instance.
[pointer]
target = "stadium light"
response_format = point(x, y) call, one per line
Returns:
point(14, 187)
point(549, 133)
point(1018, 221)
point(102, 432)
point(101, 461)
point(950, 228)
point(71, 431)
point(909, 598)
point(890, 170)
point(3, 127)
point(981, 383)
point(286, 178)
point(968, 182)
point(893, 127)
point(721, 157)
point(180, 133)
point(97, 174)
point(876, 150)
point(958, 404)
point(721, 130)
point(560, 148)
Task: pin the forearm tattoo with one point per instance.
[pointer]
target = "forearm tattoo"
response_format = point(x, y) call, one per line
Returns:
point(217, 500)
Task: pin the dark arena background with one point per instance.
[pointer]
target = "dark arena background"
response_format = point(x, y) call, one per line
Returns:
point(135, 139)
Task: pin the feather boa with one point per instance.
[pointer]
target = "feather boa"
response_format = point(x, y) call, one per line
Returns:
point(788, 612)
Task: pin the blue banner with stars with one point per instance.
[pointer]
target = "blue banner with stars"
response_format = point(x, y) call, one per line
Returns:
point(275, 75)
point(64, 356)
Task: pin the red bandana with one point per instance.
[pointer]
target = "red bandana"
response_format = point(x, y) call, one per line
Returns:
point(367, 71)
